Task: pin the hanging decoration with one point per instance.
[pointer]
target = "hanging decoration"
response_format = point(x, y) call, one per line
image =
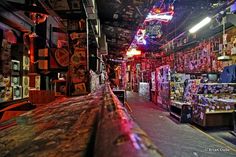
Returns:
point(163, 16)
point(133, 52)
point(140, 37)
point(151, 29)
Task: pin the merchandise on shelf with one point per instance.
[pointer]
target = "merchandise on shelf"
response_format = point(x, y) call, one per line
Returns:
point(177, 85)
point(217, 88)
point(191, 90)
point(214, 98)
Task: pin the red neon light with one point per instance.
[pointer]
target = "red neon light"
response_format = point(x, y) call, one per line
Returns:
point(133, 52)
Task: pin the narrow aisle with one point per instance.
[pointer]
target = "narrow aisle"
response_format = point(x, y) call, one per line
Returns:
point(173, 139)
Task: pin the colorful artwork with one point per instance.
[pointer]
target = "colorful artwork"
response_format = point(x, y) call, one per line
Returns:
point(59, 58)
point(78, 61)
point(79, 57)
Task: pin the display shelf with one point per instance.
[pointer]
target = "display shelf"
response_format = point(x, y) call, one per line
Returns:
point(216, 112)
point(214, 104)
point(175, 115)
point(181, 110)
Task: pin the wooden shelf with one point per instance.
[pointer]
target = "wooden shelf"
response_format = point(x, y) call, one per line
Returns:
point(176, 115)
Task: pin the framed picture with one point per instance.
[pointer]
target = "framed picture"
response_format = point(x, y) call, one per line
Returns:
point(25, 84)
point(17, 92)
point(5, 94)
point(8, 94)
point(26, 63)
point(15, 65)
point(5, 81)
point(37, 82)
point(25, 91)
point(15, 81)
point(25, 81)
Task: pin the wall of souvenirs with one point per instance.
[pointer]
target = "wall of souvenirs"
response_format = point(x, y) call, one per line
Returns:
point(14, 68)
point(203, 57)
point(193, 81)
point(78, 63)
point(203, 82)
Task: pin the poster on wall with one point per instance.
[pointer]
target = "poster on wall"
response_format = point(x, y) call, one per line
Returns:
point(78, 40)
point(5, 94)
point(15, 67)
point(17, 92)
point(79, 74)
point(79, 57)
point(78, 62)
point(5, 81)
point(59, 58)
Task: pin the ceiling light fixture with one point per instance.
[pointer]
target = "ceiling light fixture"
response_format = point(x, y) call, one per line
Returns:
point(200, 25)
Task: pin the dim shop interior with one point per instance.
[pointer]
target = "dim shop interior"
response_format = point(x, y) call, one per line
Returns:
point(59, 52)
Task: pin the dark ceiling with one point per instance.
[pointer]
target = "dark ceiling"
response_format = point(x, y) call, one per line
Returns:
point(120, 19)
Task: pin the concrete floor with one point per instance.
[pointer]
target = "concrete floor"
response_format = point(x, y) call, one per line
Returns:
point(174, 139)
